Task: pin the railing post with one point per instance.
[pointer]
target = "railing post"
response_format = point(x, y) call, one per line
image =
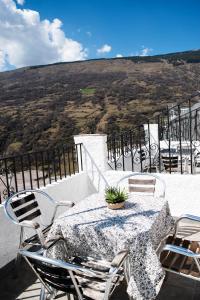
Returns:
point(196, 113)
point(7, 180)
point(49, 167)
point(54, 165)
point(15, 175)
point(149, 139)
point(36, 166)
point(22, 170)
point(114, 152)
point(42, 161)
point(140, 151)
point(190, 133)
point(169, 139)
point(131, 149)
point(180, 141)
point(30, 172)
point(64, 161)
point(73, 164)
point(159, 136)
point(122, 151)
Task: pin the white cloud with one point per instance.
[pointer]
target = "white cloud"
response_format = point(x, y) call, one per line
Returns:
point(2, 60)
point(144, 51)
point(20, 2)
point(104, 49)
point(27, 40)
point(119, 55)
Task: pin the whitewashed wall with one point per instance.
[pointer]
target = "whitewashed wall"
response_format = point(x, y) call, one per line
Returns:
point(94, 157)
point(74, 188)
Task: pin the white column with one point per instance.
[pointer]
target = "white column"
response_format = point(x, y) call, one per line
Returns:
point(152, 131)
point(94, 157)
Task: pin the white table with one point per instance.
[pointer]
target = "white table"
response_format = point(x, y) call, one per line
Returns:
point(90, 228)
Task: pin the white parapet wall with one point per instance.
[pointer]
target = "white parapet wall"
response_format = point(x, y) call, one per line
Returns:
point(151, 132)
point(92, 157)
point(74, 188)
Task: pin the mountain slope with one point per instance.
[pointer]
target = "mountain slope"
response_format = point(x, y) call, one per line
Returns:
point(43, 106)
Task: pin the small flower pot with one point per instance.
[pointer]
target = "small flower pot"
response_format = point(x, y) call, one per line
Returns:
point(116, 205)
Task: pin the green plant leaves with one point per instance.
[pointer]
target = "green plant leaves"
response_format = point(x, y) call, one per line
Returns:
point(115, 195)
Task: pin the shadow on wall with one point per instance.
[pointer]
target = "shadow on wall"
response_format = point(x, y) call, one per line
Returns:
point(94, 173)
point(74, 188)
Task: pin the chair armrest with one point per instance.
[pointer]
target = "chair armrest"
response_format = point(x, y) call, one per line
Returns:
point(65, 203)
point(36, 227)
point(119, 259)
point(51, 242)
point(66, 265)
point(180, 250)
point(61, 203)
point(187, 217)
point(30, 224)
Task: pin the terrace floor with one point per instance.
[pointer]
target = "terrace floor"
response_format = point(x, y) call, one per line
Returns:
point(26, 287)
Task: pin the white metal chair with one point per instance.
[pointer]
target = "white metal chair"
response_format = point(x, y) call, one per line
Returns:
point(85, 278)
point(143, 183)
point(22, 209)
point(181, 255)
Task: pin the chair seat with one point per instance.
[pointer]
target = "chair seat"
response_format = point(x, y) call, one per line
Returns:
point(180, 263)
point(94, 288)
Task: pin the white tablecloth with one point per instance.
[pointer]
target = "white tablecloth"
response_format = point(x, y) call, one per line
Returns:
point(90, 228)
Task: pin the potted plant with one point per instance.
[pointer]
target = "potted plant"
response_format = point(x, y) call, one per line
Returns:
point(115, 198)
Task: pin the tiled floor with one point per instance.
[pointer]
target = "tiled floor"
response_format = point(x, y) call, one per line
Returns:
point(26, 287)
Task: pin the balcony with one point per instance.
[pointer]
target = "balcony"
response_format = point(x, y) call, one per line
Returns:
point(92, 175)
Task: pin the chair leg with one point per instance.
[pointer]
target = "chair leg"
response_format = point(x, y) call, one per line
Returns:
point(127, 270)
point(107, 291)
point(18, 257)
point(42, 293)
point(127, 274)
point(45, 295)
point(166, 277)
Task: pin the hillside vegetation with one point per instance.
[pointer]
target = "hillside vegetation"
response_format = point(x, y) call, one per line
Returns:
point(44, 106)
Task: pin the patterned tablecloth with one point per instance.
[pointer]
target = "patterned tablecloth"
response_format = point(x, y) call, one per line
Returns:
point(90, 228)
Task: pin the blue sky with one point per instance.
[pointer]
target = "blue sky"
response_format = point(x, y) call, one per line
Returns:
point(127, 25)
point(100, 29)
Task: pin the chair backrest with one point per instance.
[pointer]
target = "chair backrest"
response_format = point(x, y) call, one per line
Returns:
point(170, 162)
point(23, 205)
point(26, 208)
point(53, 273)
point(67, 276)
point(144, 183)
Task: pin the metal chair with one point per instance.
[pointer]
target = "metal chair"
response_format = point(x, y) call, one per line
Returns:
point(181, 255)
point(22, 209)
point(85, 278)
point(143, 183)
point(170, 163)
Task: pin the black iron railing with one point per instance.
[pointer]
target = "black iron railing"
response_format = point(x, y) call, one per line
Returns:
point(37, 169)
point(175, 138)
point(132, 151)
